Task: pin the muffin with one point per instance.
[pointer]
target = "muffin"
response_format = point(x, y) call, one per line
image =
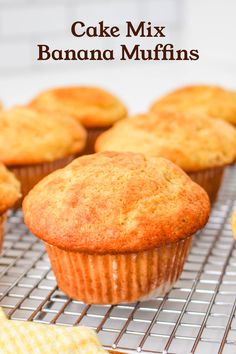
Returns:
point(200, 145)
point(214, 101)
point(96, 109)
point(117, 226)
point(9, 193)
point(33, 144)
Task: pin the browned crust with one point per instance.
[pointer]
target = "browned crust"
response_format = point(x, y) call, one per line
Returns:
point(214, 101)
point(9, 189)
point(31, 137)
point(191, 140)
point(91, 106)
point(116, 202)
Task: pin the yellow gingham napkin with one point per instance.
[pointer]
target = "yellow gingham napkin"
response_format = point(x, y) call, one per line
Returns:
point(18, 337)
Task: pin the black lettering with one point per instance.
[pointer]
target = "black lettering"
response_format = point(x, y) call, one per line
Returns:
point(57, 54)
point(131, 31)
point(92, 31)
point(134, 54)
point(44, 53)
point(82, 54)
point(74, 29)
point(96, 54)
point(103, 30)
point(115, 31)
point(158, 49)
point(159, 31)
point(108, 54)
point(194, 54)
point(70, 54)
point(146, 54)
point(168, 52)
point(180, 56)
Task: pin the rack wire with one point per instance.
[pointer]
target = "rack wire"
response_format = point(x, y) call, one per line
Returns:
point(197, 316)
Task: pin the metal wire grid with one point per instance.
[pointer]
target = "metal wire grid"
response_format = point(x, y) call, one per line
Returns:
point(197, 316)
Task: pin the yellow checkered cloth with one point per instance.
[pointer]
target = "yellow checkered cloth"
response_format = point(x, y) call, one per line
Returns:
point(18, 337)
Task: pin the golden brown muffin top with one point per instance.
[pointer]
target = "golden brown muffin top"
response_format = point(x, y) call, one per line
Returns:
point(192, 141)
point(30, 137)
point(92, 106)
point(9, 189)
point(116, 202)
point(233, 224)
point(211, 100)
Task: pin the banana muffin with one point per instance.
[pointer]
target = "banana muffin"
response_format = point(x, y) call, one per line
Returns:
point(33, 144)
point(214, 101)
point(96, 109)
point(117, 226)
point(200, 145)
point(9, 194)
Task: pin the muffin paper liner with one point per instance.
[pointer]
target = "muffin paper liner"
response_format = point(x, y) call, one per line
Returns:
point(118, 278)
point(93, 134)
point(3, 218)
point(29, 175)
point(209, 179)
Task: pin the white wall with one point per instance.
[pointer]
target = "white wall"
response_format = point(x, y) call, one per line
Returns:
point(211, 26)
point(24, 23)
point(208, 25)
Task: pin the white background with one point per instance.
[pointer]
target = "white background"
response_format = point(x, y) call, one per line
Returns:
point(208, 25)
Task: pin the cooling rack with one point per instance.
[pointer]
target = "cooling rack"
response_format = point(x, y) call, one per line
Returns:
point(197, 316)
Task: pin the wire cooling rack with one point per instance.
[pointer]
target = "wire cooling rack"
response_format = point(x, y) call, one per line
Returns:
point(197, 316)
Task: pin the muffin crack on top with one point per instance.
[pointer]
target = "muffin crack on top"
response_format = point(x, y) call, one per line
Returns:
point(116, 202)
